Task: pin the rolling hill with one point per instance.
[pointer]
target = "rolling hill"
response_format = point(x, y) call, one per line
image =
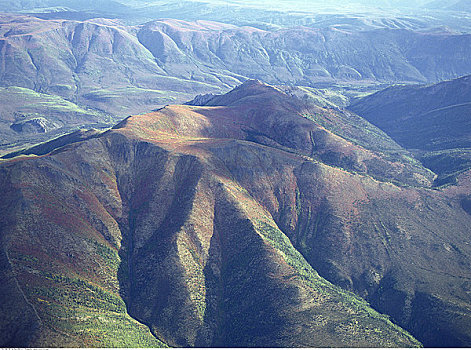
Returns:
point(254, 215)
point(214, 226)
point(430, 120)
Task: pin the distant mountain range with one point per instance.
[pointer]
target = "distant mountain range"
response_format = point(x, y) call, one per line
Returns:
point(102, 70)
point(264, 14)
point(258, 219)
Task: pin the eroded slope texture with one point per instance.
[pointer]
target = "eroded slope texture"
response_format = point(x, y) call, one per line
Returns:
point(221, 225)
point(431, 120)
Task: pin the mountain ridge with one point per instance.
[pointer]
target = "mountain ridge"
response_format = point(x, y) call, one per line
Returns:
point(191, 197)
point(263, 14)
point(429, 120)
point(144, 252)
point(169, 61)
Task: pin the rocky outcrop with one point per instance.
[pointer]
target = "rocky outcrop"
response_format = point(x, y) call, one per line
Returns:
point(33, 126)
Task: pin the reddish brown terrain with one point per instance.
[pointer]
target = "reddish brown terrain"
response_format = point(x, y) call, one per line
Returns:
point(255, 220)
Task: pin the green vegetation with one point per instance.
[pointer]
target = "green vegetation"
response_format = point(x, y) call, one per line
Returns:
point(76, 292)
point(87, 314)
point(31, 103)
point(360, 311)
point(358, 131)
point(46, 147)
point(203, 261)
point(37, 117)
point(95, 328)
point(126, 92)
point(79, 312)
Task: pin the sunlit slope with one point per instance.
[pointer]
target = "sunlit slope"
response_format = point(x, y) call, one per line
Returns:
point(221, 225)
point(151, 221)
point(74, 73)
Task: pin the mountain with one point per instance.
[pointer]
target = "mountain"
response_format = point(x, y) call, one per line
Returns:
point(93, 63)
point(58, 76)
point(264, 14)
point(250, 221)
point(456, 5)
point(307, 56)
point(152, 63)
point(192, 253)
point(100, 68)
point(431, 120)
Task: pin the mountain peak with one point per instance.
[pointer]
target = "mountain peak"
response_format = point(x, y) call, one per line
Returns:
point(248, 203)
point(249, 88)
point(252, 82)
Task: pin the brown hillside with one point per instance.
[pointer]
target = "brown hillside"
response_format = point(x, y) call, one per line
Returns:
point(210, 223)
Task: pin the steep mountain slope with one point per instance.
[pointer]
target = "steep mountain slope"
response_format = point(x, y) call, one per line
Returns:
point(100, 69)
point(68, 58)
point(152, 213)
point(305, 55)
point(433, 120)
point(86, 62)
point(210, 222)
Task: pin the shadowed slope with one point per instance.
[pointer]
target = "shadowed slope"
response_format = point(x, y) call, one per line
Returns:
point(62, 245)
point(263, 114)
point(431, 120)
point(174, 222)
point(150, 214)
point(360, 233)
point(212, 223)
point(432, 117)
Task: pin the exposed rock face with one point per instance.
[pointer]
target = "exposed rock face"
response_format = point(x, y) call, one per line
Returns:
point(210, 222)
point(33, 126)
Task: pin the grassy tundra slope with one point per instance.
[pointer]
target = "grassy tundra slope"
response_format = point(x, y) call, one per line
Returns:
point(214, 226)
point(430, 120)
point(150, 220)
